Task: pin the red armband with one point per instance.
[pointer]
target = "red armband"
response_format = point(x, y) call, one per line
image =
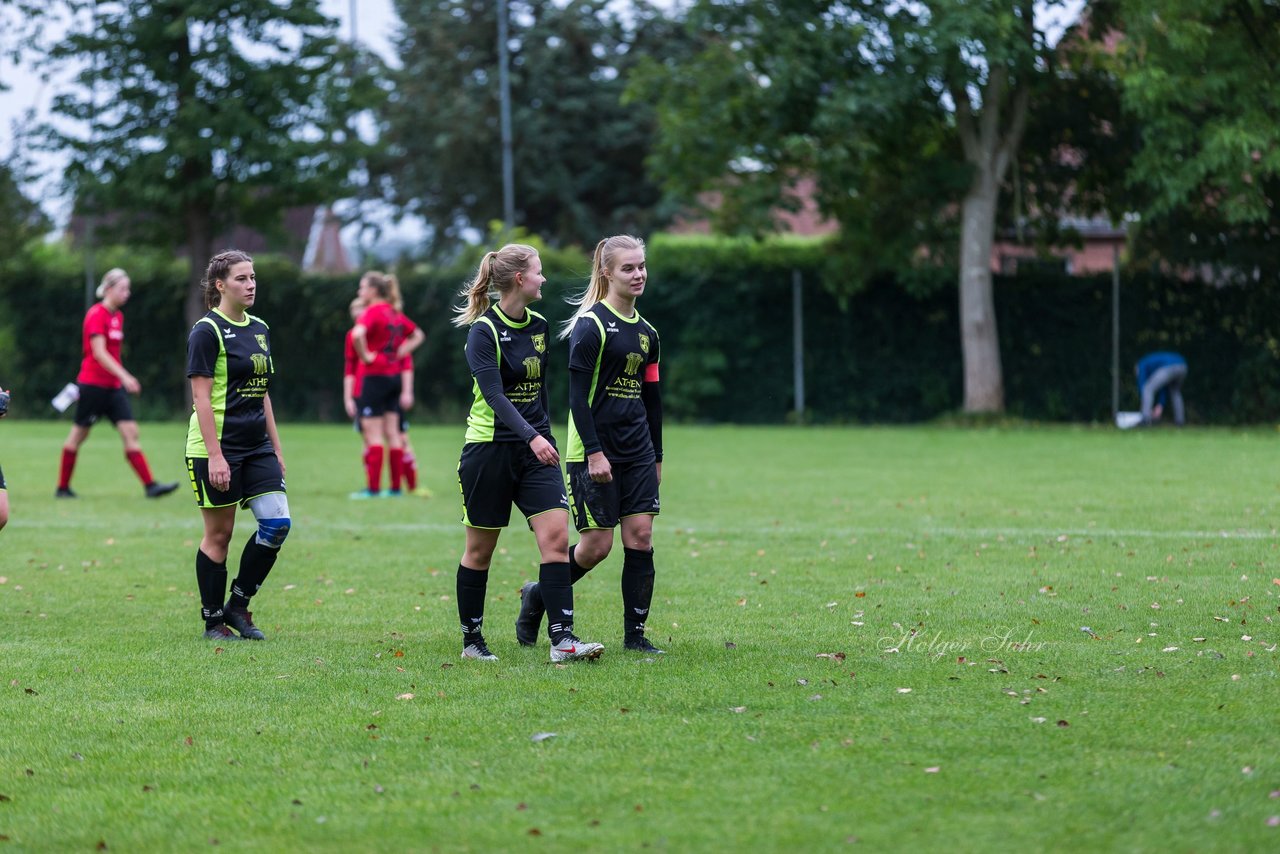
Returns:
point(651, 373)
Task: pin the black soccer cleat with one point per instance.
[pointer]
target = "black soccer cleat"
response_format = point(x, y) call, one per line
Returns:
point(155, 489)
point(531, 611)
point(241, 619)
point(64, 492)
point(640, 643)
point(220, 632)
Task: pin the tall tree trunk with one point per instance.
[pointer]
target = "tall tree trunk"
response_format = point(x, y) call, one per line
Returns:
point(979, 340)
point(199, 249)
point(988, 144)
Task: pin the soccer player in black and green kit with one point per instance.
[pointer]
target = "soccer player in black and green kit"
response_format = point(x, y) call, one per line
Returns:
point(614, 457)
point(510, 455)
point(233, 448)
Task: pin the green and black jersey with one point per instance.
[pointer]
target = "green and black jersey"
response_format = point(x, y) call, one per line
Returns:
point(238, 358)
point(508, 360)
point(621, 354)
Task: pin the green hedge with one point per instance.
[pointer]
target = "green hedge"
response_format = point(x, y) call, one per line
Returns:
point(883, 353)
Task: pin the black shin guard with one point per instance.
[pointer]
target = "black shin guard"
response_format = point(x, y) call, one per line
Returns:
point(255, 565)
point(471, 589)
point(637, 589)
point(211, 579)
point(557, 597)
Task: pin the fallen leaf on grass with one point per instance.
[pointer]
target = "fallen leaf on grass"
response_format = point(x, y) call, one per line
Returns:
point(904, 690)
point(730, 645)
point(1038, 720)
point(533, 831)
point(834, 656)
point(1170, 649)
point(933, 770)
point(405, 696)
point(737, 710)
point(541, 736)
point(1063, 724)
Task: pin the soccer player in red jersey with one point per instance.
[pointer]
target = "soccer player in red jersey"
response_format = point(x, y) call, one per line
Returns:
point(352, 377)
point(383, 337)
point(103, 383)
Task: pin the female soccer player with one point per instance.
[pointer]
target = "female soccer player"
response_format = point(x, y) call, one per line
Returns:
point(4, 490)
point(383, 337)
point(103, 384)
point(509, 455)
point(352, 377)
point(233, 447)
point(614, 458)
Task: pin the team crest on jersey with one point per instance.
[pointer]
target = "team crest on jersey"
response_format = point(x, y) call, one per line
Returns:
point(644, 343)
point(634, 361)
point(540, 342)
point(262, 342)
point(533, 368)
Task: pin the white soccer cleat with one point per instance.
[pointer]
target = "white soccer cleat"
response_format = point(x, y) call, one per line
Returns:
point(572, 649)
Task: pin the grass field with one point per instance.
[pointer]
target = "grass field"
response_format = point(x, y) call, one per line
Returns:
point(890, 639)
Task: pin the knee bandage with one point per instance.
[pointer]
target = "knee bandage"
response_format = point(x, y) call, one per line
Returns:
point(272, 513)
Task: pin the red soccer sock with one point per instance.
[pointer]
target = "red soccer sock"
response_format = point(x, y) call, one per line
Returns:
point(397, 468)
point(68, 466)
point(373, 467)
point(139, 463)
point(410, 471)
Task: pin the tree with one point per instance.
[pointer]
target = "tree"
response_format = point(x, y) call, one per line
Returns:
point(908, 114)
point(1201, 79)
point(21, 219)
point(193, 116)
point(578, 152)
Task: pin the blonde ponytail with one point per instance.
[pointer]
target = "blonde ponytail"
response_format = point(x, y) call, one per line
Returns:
point(598, 286)
point(495, 276)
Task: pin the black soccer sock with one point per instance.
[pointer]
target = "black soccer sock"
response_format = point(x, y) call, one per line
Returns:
point(211, 579)
point(255, 564)
point(471, 588)
point(557, 597)
point(575, 571)
point(637, 589)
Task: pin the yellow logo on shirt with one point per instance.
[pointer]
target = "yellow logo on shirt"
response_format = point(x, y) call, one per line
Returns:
point(644, 343)
point(262, 342)
point(259, 363)
point(634, 361)
point(539, 342)
point(533, 367)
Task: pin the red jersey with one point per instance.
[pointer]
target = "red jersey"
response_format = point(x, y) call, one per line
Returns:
point(100, 320)
point(351, 364)
point(385, 330)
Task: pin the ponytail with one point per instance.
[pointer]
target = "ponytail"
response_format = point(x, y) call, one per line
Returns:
point(598, 286)
point(495, 277)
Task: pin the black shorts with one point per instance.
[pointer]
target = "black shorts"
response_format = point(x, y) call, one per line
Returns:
point(379, 395)
point(254, 475)
point(494, 475)
point(632, 492)
point(96, 400)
